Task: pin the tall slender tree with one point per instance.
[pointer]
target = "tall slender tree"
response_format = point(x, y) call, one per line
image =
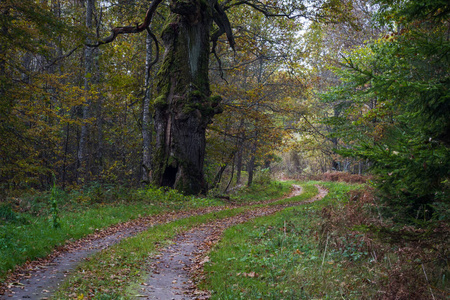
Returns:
point(83, 168)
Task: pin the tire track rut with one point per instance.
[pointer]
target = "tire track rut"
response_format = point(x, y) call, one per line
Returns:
point(39, 279)
point(173, 269)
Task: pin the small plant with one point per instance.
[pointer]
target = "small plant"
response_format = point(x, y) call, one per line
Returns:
point(263, 177)
point(7, 214)
point(56, 221)
point(104, 296)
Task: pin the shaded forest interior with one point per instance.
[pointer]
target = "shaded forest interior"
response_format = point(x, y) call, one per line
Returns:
point(207, 96)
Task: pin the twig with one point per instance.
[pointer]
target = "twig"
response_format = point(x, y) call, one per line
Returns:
point(429, 286)
point(61, 57)
point(325, 252)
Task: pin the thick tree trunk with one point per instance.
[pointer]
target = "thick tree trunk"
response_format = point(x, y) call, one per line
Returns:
point(184, 107)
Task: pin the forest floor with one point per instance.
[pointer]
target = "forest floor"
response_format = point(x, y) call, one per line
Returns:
point(171, 270)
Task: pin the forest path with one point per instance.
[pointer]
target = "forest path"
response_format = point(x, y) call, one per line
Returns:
point(41, 278)
point(173, 269)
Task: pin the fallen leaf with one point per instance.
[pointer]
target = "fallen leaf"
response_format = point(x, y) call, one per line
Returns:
point(17, 284)
point(205, 260)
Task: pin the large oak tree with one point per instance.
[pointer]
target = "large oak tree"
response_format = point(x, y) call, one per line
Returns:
point(183, 105)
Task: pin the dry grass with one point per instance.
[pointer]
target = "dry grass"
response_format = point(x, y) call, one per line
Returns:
point(409, 263)
point(330, 176)
point(343, 177)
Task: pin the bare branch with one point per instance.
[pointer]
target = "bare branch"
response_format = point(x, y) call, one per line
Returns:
point(53, 62)
point(221, 19)
point(157, 50)
point(219, 62)
point(130, 29)
point(270, 11)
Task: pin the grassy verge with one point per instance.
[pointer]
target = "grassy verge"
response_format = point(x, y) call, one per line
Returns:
point(27, 228)
point(108, 274)
point(261, 192)
point(284, 257)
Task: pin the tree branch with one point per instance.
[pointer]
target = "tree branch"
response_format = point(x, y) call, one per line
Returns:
point(130, 29)
point(267, 10)
point(221, 19)
point(157, 50)
point(53, 62)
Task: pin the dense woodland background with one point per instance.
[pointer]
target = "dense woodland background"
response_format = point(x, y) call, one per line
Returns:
point(310, 88)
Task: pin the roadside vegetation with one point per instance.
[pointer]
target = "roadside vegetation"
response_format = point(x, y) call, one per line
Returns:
point(340, 247)
point(275, 257)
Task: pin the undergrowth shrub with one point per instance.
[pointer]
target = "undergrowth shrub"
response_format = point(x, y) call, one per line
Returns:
point(410, 262)
point(259, 191)
point(263, 177)
point(8, 215)
point(343, 177)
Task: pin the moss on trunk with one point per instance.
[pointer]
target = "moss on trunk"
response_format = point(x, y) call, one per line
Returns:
point(183, 107)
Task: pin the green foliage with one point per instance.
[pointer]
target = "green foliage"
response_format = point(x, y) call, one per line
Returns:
point(8, 215)
point(396, 110)
point(33, 97)
point(263, 177)
point(261, 192)
point(103, 296)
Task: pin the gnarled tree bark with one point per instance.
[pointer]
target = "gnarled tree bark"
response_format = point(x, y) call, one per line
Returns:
point(184, 105)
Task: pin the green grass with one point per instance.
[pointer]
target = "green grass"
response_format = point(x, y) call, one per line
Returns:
point(38, 238)
point(262, 192)
point(103, 276)
point(283, 257)
point(106, 271)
